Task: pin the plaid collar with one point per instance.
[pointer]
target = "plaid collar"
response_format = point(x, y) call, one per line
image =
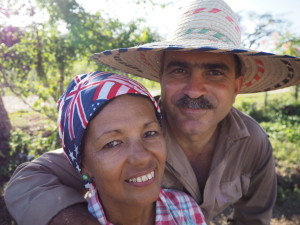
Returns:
point(172, 208)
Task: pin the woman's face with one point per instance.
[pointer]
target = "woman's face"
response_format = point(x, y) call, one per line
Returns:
point(125, 152)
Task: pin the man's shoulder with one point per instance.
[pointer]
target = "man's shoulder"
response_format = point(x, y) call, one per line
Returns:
point(52, 155)
point(256, 144)
point(250, 123)
point(54, 160)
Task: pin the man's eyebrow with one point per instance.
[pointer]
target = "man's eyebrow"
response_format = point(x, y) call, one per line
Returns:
point(209, 66)
point(178, 64)
point(217, 65)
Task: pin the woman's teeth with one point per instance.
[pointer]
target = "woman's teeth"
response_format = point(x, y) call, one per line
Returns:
point(143, 178)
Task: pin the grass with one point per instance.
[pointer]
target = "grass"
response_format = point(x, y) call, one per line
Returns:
point(25, 119)
point(280, 117)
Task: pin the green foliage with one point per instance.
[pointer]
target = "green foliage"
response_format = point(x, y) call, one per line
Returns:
point(38, 59)
point(149, 84)
point(26, 145)
point(289, 44)
point(32, 135)
point(281, 120)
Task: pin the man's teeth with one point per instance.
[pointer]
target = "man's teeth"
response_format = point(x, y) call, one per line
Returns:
point(143, 178)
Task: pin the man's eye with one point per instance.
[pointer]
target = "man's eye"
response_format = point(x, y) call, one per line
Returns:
point(112, 144)
point(178, 73)
point(215, 73)
point(178, 70)
point(150, 133)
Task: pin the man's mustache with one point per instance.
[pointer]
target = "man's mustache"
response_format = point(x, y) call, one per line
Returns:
point(194, 103)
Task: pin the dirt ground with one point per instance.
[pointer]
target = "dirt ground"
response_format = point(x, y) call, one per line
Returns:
point(286, 210)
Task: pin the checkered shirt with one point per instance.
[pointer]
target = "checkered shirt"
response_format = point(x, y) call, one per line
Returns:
point(172, 208)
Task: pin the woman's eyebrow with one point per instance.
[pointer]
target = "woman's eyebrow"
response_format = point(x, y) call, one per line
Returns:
point(107, 133)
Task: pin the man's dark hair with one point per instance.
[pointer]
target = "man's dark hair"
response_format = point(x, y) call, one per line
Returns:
point(238, 66)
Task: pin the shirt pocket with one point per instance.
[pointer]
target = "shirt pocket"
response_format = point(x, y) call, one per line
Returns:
point(231, 191)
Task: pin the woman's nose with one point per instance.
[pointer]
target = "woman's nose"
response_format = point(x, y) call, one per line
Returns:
point(139, 154)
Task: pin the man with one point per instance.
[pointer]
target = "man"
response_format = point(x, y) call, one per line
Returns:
point(217, 154)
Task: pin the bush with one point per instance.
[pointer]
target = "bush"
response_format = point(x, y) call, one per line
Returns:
point(281, 120)
point(26, 145)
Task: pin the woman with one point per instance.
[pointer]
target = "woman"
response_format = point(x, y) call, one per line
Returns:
point(110, 128)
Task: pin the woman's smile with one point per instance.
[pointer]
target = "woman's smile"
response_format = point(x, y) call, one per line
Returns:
point(142, 180)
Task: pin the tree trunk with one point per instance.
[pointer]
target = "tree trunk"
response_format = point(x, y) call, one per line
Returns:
point(62, 79)
point(266, 99)
point(5, 127)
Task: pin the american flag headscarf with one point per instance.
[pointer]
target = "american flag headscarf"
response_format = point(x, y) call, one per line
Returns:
point(83, 99)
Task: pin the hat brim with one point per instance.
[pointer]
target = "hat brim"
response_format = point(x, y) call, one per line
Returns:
point(262, 71)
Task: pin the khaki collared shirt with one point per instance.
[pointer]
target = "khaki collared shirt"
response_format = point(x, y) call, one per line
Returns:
point(242, 174)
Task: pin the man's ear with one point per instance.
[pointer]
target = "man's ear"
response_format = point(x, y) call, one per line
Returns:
point(239, 82)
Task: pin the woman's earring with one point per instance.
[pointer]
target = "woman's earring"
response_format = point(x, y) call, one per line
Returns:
point(85, 177)
point(88, 184)
point(87, 180)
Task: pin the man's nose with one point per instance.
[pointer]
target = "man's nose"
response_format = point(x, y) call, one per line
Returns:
point(196, 86)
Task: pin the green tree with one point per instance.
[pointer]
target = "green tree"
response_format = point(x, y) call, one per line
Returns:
point(50, 49)
point(9, 36)
point(38, 59)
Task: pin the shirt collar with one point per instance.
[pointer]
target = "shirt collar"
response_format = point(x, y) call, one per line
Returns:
point(233, 126)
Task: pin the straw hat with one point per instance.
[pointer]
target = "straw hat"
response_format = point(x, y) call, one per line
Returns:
point(208, 26)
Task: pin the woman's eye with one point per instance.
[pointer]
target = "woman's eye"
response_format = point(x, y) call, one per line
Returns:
point(112, 144)
point(150, 133)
